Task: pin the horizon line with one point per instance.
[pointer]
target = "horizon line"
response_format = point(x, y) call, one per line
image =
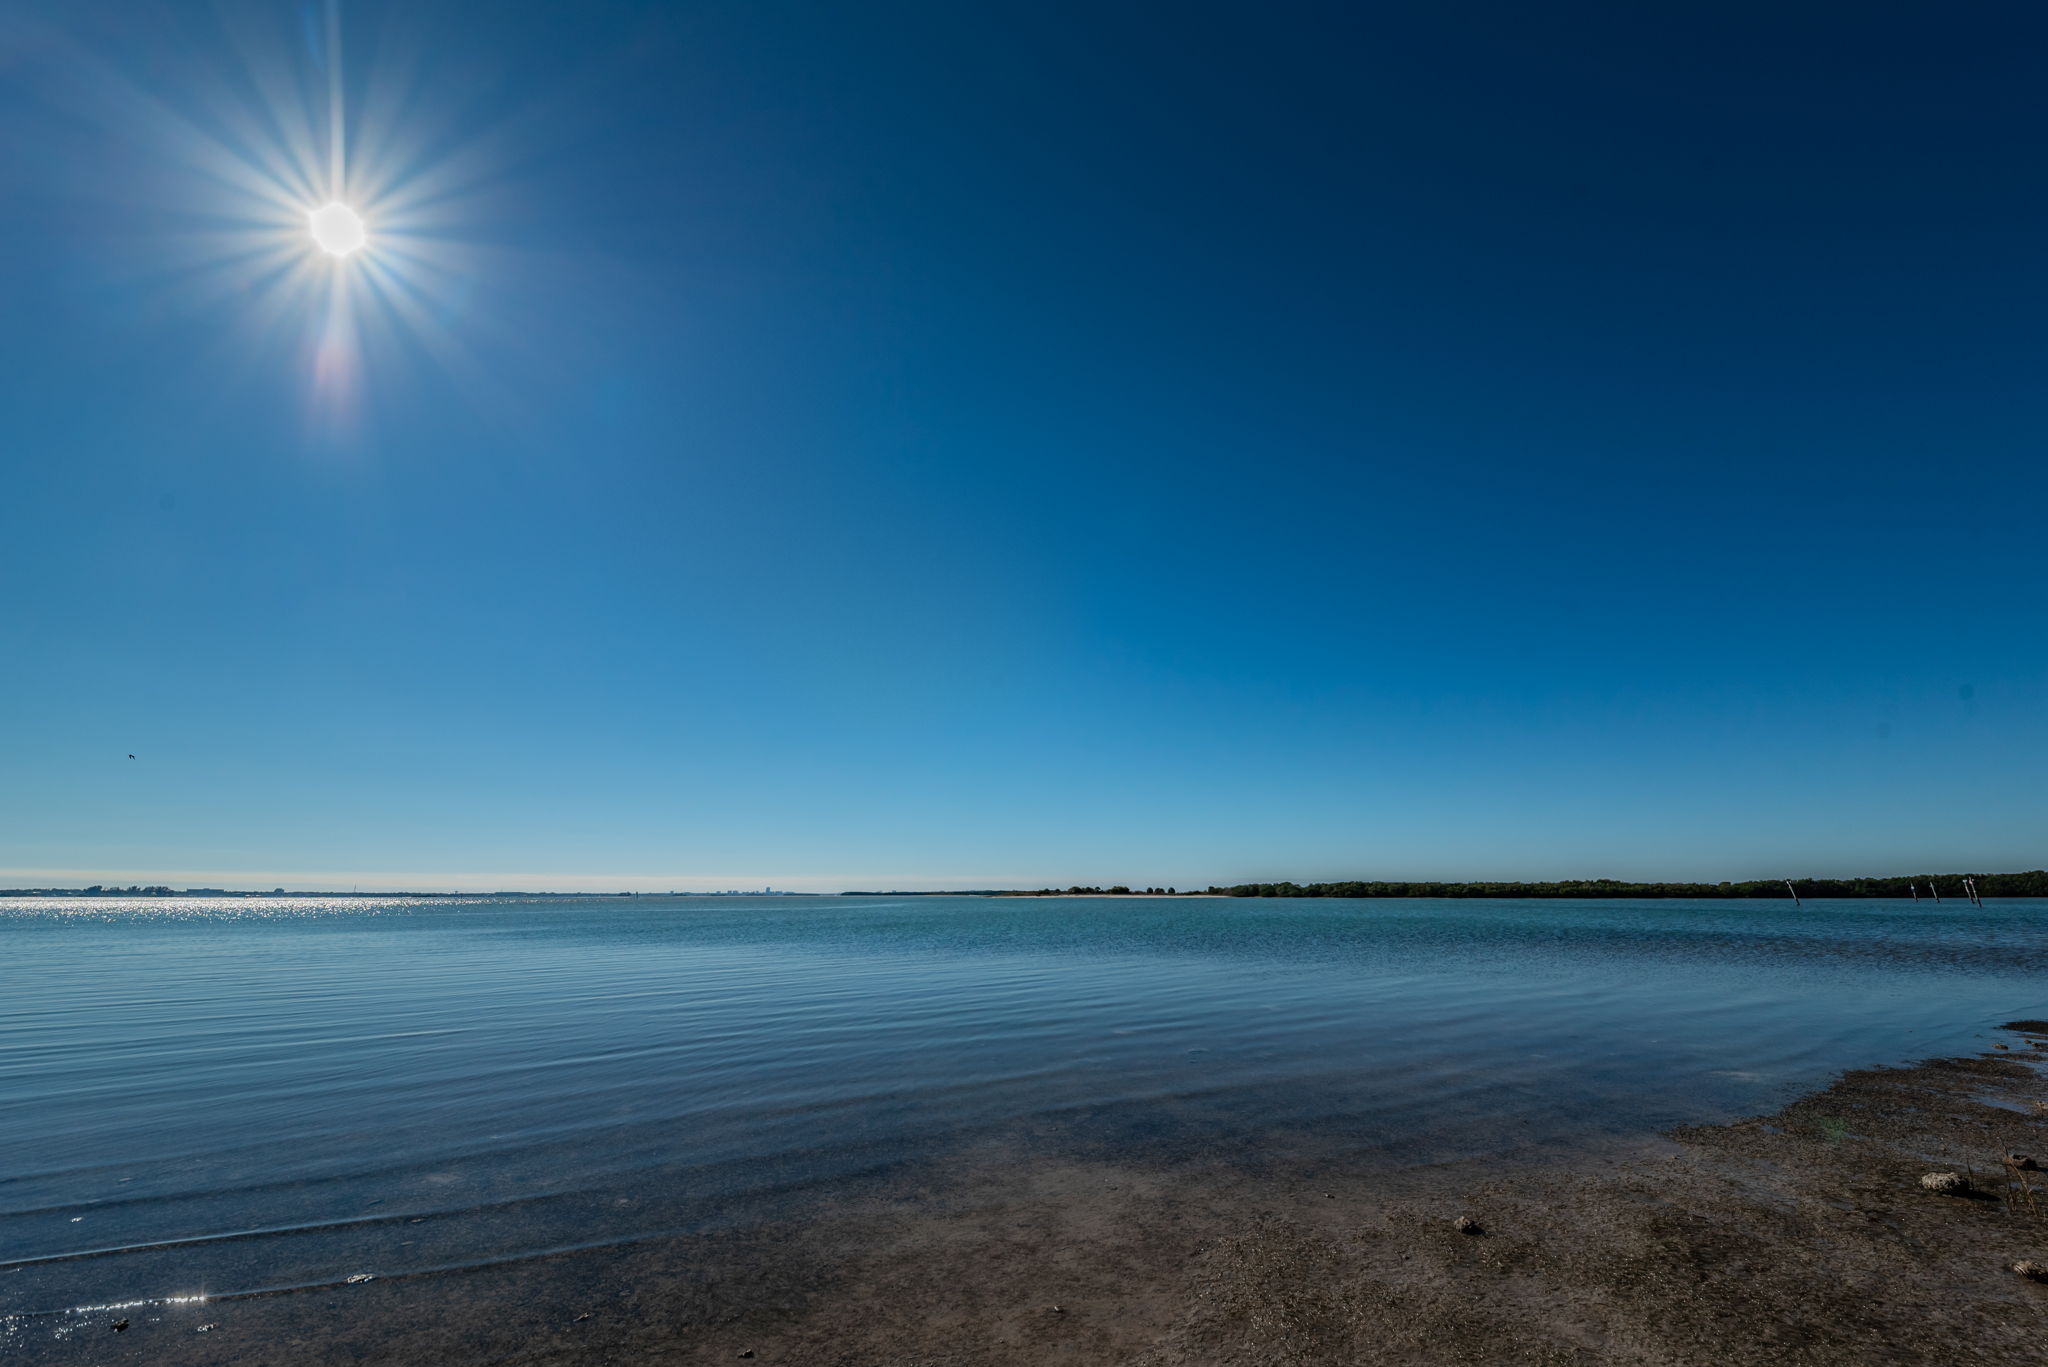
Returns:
point(15, 881)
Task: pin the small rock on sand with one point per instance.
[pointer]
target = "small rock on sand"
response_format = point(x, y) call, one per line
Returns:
point(1465, 1224)
point(2031, 1270)
point(1950, 1182)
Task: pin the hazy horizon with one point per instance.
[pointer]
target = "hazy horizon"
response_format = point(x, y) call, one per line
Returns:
point(233, 881)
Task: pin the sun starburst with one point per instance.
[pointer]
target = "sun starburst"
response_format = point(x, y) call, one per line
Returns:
point(322, 203)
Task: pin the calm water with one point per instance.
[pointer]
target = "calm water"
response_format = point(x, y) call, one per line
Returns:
point(231, 1096)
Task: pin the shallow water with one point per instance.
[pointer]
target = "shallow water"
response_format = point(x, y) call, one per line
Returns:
point(217, 1097)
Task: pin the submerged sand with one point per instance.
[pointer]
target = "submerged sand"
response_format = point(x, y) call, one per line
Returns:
point(1804, 1237)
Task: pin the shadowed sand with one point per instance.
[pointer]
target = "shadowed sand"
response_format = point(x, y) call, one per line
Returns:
point(1802, 1237)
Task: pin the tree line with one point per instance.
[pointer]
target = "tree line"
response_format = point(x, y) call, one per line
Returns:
point(1947, 885)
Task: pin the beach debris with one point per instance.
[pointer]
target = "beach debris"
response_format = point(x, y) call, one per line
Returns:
point(2001, 1046)
point(582, 1317)
point(355, 1278)
point(2031, 1270)
point(746, 1352)
point(1465, 1224)
point(2022, 1161)
point(206, 1329)
point(1057, 1309)
point(120, 1326)
point(1949, 1183)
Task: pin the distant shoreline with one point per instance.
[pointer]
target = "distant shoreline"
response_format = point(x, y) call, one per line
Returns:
point(1945, 887)
point(1927, 887)
point(173, 894)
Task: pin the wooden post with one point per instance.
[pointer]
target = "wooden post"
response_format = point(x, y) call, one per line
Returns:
point(1914, 888)
point(1795, 893)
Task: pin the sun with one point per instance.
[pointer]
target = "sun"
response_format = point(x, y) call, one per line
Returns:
point(337, 229)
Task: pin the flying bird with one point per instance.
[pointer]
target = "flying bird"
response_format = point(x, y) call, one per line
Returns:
point(131, 757)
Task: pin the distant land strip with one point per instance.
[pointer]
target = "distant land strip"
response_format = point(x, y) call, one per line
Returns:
point(1930, 886)
point(1926, 885)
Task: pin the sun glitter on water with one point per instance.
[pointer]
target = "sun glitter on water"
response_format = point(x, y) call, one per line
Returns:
point(337, 229)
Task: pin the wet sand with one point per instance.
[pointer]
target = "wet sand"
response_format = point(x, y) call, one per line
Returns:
point(1801, 1237)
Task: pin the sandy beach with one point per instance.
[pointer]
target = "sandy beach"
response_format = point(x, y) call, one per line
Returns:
point(1805, 1236)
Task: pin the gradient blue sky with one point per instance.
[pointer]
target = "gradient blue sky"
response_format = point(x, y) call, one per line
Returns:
point(926, 444)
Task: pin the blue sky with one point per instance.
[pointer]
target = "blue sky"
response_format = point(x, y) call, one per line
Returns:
point(934, 445)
